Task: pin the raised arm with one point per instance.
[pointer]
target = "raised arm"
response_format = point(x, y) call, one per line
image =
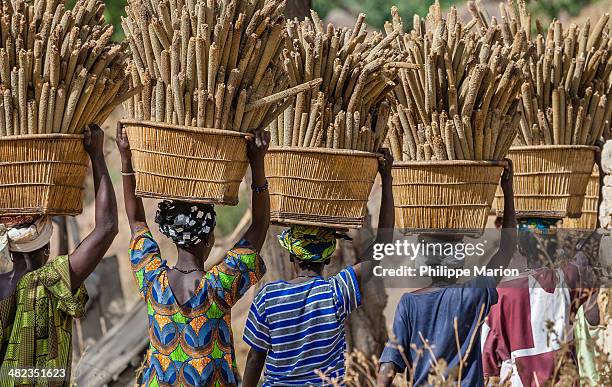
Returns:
point(133, 204)
point(88, 254)
point(601, 179)
point(260, 199)
point(507, 246)
point(252, 370)
point(386, 219)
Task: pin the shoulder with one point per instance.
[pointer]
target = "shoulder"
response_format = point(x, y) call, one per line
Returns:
point(406, 300)
point(346, 276)
point(243, 251)
point(271, 289)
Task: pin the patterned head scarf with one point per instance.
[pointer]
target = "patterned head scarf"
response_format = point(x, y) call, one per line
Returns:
point(538, 226)
point(24, 234)
point(186, 224)
point(312, 244)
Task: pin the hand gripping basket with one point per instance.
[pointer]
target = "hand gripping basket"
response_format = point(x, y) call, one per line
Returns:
point(42, 174)
point(320, 187)
point(186, 163)
point(550, 181)
point(453, 195)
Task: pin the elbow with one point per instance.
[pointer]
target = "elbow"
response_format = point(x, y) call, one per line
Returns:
point(109, 228)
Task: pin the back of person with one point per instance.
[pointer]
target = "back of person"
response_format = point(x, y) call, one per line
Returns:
point(430, 316)
point(523, 335)
point(301, 326)
point(192, 343)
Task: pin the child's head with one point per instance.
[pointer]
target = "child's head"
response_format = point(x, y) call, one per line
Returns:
point(309, 247)
point(189, 225)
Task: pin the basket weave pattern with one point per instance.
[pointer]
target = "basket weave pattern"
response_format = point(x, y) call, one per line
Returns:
point(42, 174)
point(590, 212)
point(188, 164)
point(550, 180)
point(444, 194)
point(320, 187)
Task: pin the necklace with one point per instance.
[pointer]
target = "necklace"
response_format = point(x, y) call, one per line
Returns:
point(308, 276)
point(187, 271)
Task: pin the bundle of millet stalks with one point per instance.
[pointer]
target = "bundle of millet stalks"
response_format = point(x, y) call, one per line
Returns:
point(58, 68)
point(350, 108)
point(208, 63)
point(462, 103)
point(567, 96)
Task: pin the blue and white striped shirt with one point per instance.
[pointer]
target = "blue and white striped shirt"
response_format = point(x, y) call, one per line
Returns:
point(301, 326)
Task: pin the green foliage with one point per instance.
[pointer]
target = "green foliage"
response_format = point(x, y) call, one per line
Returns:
point(228, 216)
point(114, 10)
point(378, 11)
point(553, 8)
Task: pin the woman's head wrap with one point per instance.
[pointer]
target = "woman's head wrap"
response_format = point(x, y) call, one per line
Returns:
point(311, 244)
point(24, 238)
point(539, 226)
point(185, 223)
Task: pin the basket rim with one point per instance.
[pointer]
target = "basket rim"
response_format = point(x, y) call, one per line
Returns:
point(326, 151)
point(524, 148)
point(44, 136)
point(226, 201)
point(450, 163)
point(183, 128)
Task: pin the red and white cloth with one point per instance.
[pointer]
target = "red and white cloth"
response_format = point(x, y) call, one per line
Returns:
point(524, 331)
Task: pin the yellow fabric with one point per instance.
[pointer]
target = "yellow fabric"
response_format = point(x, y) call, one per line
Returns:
point(313, 244)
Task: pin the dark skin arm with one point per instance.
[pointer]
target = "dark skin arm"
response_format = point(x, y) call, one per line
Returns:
point(133, 204)
point(386, 219)
point(601, 177)
point(88, 254)
point(252, 370)
point(260, 201)
point(386, 374)
point(508, 243)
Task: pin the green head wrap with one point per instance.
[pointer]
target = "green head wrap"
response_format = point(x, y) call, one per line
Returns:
point(312, 244)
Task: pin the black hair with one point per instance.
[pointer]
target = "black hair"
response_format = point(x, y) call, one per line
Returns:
point(309, 265)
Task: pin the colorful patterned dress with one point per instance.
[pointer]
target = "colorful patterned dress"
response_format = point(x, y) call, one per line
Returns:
point(36, 323)
point(192, 344)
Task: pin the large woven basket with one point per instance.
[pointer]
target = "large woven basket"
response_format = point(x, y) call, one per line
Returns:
point(42, 174)
point(185, 163)
point(453, 195)
point(320, 187)
point(590, 212)
point(550, 180)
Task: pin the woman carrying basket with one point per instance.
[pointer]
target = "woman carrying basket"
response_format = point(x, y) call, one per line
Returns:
point(38, 297)
point(189, 308)
point(296, 329)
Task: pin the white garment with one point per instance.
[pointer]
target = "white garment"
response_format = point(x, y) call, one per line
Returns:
point(25, 239)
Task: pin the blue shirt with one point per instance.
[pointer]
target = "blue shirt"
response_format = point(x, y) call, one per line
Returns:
point(430, 316)
point(301, 327)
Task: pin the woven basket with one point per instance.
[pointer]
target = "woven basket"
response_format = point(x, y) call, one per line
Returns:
point(42, 174)
point(550, 180)
point(590, 212)
point(186, 163)
point(320, 187)
point(454, 195)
